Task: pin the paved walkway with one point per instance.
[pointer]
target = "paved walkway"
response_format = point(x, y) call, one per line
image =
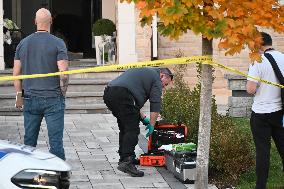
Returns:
point(91, 142)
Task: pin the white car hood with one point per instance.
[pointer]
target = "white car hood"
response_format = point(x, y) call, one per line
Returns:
point(7, 148)
point(15, 158)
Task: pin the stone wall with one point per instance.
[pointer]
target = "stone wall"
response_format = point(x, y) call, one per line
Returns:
point(240, 102)
point(190, 45)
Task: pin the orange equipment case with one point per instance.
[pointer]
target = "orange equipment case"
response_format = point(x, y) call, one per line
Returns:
point(163, 134)
point(152, 160)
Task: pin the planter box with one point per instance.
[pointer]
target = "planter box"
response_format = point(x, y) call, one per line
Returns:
point(99, 41)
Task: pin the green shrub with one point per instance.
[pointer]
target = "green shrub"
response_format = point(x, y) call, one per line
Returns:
point(230, 150)
point(103, 27)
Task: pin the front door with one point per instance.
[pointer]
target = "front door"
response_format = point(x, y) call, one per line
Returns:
point(73, 22)
point(29, 8)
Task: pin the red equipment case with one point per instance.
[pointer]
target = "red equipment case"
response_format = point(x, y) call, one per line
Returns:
point(152, 159)
point(163, 134)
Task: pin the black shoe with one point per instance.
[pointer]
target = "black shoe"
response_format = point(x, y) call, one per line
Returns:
point(135, 161)
point(129, 168)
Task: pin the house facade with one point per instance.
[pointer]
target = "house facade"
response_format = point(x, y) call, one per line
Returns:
point(73, 20)
point(134, 43)
point(190, 45)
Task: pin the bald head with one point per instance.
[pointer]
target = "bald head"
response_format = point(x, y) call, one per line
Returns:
point(43, 19)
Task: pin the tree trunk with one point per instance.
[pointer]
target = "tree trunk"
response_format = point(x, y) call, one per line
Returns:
point(204, 119)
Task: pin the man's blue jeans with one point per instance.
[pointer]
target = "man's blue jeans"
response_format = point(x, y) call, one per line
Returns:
point(52, 109)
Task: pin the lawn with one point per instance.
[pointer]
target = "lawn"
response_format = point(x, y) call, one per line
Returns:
point(276, 176)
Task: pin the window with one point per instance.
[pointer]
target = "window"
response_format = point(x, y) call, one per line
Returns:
point(281, 2)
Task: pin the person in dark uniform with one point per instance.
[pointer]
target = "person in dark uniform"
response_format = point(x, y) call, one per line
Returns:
point(125, 96)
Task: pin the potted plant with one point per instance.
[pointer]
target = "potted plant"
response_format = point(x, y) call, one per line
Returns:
point(102, 29)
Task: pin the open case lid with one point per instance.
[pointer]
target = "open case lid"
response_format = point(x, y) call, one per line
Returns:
point(166, 134)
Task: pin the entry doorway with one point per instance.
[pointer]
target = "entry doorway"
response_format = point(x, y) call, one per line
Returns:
point(28, 10)
point(73, 21)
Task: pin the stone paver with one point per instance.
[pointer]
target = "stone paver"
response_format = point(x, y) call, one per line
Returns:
point(91, 142)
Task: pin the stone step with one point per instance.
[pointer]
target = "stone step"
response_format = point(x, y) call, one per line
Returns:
point(84, 94)
point(92, 75)
point(87, 85)
point(79, 62)
point(75, 85)
point(73, 98)
point(87, 109)
point(74, 55)
point(70, 109)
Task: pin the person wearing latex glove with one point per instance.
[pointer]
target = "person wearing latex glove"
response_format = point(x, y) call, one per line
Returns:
point(150, 129)
point(146, 122)
point(125, 96)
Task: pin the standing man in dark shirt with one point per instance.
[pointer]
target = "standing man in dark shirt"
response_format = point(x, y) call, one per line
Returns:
point(125, 96)
point(41, 53)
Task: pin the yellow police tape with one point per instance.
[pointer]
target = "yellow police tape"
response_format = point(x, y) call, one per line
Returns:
point(156, 63)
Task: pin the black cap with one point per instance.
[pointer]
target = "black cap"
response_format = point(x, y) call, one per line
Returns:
point(167, 71)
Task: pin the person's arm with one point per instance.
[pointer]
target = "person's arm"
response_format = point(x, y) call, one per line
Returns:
point(155, 101)
point(153, 117)
point(64, 79)
point(155, 106)
point(18, 84)
point(62, 64)
point(17, 71)
point(142, 115)
point(251, 87)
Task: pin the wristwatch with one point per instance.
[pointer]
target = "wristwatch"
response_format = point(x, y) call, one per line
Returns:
point(19, 92)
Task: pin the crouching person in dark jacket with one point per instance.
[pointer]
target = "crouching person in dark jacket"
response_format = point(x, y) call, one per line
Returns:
point(125, 96)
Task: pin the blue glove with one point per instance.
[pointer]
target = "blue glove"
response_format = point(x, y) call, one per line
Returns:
point(145, 121)
point(150, 129)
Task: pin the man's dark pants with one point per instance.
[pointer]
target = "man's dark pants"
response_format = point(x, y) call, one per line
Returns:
point(263, 126)
point(120, 101)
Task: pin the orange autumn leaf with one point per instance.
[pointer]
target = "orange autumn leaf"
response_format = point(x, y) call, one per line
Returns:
point(141, 4)
point(223, 45)
point(251, 44)
point(246, 30)
point(255, 56)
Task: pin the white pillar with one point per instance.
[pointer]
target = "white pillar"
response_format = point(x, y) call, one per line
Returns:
point(2, 63)
point(155, 37)
point(126, 36)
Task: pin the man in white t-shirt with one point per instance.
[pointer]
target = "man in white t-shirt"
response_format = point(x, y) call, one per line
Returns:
point(267, 114)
